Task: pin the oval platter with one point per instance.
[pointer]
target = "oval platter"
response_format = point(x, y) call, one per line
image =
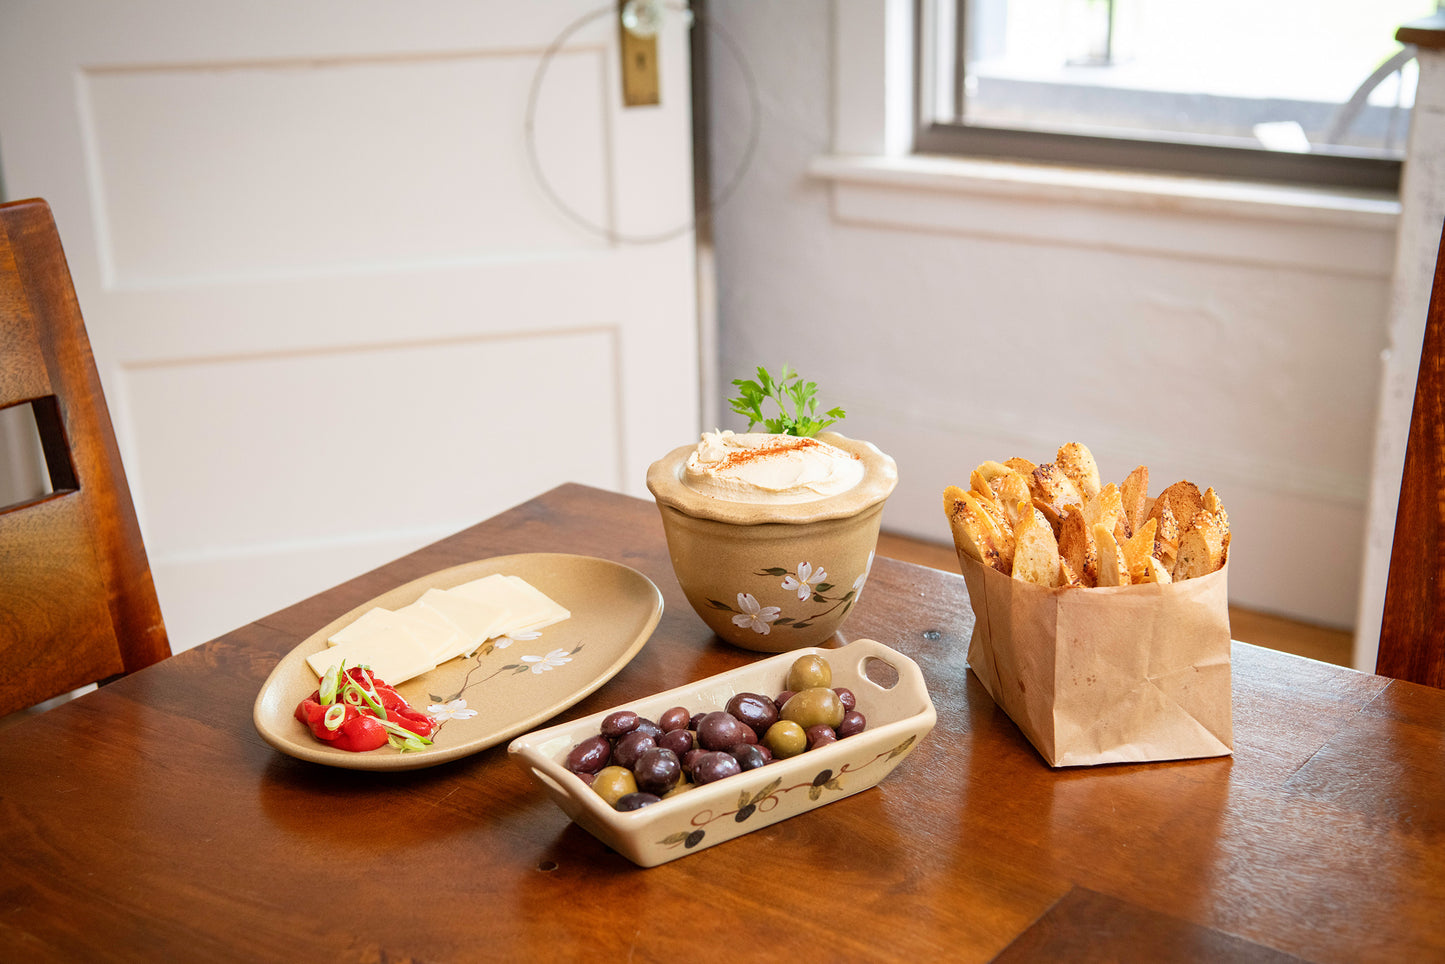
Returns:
point(509, 686)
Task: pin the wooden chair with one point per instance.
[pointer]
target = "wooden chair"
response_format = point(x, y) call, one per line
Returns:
point(1412, 632)
point(77, 604)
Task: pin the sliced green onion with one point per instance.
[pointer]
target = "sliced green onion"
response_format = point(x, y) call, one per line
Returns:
point(329, 684)
point(334, 717)
point(368, 692)
point(405, 734)
point(376, 706)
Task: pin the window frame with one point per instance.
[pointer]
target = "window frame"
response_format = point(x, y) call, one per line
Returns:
point(1123, 152)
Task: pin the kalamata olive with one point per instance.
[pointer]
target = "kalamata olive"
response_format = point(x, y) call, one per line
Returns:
point(626, 751)
point(714, 765)
point(587, 778)
point(756, 711)
point(808, 672)
point(695, 720)
point(750, 756)
point(618, 723)
point(853, 722)
point(821, 735)
point(782, 698)
point(645, 725)
point(636, 801)
point(676, 718)
point(678, 741)
point(589, 756)
point(657, 770)
point(850, 702)
point(690, 757)
point(812, 706)
point(785, 738)
point(719, 730)
point(613, 783)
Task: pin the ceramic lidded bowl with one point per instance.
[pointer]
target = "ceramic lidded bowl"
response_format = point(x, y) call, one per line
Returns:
point(769, 577)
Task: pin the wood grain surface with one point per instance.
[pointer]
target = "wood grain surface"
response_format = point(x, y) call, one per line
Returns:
point(148, 821)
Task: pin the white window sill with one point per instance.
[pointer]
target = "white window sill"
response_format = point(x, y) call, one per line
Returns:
point(1311, 228)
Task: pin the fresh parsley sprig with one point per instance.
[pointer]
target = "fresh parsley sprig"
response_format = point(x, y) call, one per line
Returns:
point(788, 388)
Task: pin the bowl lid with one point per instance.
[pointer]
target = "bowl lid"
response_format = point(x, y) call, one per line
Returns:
point(880, 475)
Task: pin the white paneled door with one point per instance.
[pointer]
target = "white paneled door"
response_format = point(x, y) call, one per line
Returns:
point(358, 273)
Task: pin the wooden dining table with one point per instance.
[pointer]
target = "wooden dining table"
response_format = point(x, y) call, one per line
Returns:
point(149, 821)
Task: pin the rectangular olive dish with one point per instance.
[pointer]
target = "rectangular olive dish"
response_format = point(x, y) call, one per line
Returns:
point(891, 694)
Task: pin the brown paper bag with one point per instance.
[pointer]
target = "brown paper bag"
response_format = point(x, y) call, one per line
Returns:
point(1111, 675)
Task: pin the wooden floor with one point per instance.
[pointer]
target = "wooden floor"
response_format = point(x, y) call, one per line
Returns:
point(1247, 625)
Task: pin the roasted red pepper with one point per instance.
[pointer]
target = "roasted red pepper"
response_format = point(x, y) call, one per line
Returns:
point(358, 731)
point(398, 710)
point(354, 722)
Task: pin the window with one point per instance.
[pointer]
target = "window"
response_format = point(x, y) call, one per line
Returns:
point(1313, 91)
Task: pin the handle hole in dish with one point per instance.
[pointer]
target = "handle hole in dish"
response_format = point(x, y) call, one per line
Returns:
point(880, 672)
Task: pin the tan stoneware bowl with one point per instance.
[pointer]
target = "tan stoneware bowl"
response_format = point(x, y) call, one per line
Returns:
point(773, 578)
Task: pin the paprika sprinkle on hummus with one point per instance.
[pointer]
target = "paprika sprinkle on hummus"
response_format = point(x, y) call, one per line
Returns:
point(760, 467)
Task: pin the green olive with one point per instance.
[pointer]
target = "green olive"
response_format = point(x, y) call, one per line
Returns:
point(813, 706)
point(613, 783)
point(809, 671)
point(785, 738)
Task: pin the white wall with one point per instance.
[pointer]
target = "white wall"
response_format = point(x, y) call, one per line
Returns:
point(1231, 340)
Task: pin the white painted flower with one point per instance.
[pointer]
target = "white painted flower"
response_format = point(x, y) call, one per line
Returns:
point(858, 583)
point(502, 642)
point(541, 664)
point(452, 710)
point(804, 581)
point(757, 617)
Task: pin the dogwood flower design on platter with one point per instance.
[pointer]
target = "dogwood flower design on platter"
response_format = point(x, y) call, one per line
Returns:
point(453, 706)
point(541, 664)
point(502, 642)
point(806, 581)
point(451, 710)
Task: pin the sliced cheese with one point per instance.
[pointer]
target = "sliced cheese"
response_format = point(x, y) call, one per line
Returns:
point(545, 610)
point(443, 624)
point(493, 590)
point(442, 637)
point(530, 608)
point(476, 621)
point(392, 652)
point(371, 621)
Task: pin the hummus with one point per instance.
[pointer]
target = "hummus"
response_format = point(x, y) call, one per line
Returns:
point(761, 468)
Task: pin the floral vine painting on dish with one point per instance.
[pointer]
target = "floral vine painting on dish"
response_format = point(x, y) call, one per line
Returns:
point(454, 706)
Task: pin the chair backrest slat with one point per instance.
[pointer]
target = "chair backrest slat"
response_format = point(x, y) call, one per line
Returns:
point(1412, 631)
point(77, 602)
